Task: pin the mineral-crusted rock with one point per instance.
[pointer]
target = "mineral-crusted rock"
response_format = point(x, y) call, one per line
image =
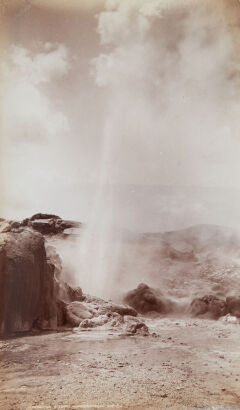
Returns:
point(94, 322)
point(76, 312)
point(120, 309)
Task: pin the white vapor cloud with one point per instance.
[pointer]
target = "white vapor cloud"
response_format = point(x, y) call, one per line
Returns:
point(176, 105)
point(123, 19)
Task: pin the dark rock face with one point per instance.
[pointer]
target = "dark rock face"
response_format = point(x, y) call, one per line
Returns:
point(233, 305)
point(145, 299)
point(50, 226)
point(27, 287)
point(208, 305)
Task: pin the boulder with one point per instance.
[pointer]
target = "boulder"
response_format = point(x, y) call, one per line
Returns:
point(111, 319)
point(27, 286)
point(233, 305)
point(145, 299)
point(94, 322)
point(122, 310)
point(209, 305)
point(135, 325)
point(137, 328)
point(76, 312)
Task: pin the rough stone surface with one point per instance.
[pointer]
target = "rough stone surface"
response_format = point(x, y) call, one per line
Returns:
point(120, 309)
point(76, 312)
point(27, 288)
point(47, 224)
point(208, 305)
point(138, 328)
point(145, 299)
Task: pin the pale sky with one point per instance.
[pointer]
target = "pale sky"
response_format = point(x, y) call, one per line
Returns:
point(123, 92)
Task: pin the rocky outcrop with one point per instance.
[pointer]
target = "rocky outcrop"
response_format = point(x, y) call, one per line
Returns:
point(111, 319)
point(27, 287)
point(145, 299)
point(209, 305)
point(93, 312)
point(32, 293)
point(109, 307)
point(47, 224)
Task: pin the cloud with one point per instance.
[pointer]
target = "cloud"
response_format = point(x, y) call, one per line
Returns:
point(29, 113)
point(41, 67)
point(123, 19)
point(33, 126)
point(169, 104)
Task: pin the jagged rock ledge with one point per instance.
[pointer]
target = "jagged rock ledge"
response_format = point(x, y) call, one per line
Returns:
point(47, 224)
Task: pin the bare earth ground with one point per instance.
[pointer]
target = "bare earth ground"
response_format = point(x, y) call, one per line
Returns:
point(191, 363)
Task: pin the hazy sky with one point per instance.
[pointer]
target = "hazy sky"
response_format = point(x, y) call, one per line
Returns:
point(130, 92)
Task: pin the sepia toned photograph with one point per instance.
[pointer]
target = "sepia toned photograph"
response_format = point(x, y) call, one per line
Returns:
point(119, 204)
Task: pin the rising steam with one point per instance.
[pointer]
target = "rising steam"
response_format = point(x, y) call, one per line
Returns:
point(165, 74)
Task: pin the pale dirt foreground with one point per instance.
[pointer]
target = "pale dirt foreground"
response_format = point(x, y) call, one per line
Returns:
point(191, 363)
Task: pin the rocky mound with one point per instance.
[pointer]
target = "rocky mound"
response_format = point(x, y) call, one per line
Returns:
point(145, 299)
point(209, 305)
point(215, 307)
point(93, 312)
